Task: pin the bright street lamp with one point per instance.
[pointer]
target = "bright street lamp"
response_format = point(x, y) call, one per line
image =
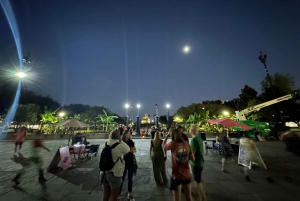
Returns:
point(61, 114)
point(138, 107)
point(21, 75)
point(226, 113)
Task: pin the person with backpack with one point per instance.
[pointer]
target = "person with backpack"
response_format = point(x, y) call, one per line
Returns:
point(112, 165)
point(130, 164)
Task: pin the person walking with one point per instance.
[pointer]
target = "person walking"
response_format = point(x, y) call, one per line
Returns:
point(197, 165)
point(158, 157)
point(21, 134)
point(181, 174)
point(130, 164)
point(111, 179)
point(36, 159)
point(225, 150)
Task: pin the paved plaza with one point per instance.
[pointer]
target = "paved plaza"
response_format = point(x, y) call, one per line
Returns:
point(80, 181)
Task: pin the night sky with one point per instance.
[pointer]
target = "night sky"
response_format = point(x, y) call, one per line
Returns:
point(81, 49)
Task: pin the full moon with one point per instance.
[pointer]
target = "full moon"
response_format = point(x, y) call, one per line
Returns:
point(186, 49)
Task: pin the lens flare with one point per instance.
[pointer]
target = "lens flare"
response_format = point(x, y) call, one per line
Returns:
point(14, 28)
point(21, 74)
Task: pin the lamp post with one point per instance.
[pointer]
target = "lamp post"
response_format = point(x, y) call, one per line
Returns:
point(131, 115)
point(126, 117)
point(263, 57)
point(156, 116)
point(168, 117)
point(138, 119)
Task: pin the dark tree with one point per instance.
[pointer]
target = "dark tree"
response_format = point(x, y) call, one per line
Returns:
point(247, 94)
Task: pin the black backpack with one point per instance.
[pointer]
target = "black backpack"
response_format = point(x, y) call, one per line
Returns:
point(106, 162)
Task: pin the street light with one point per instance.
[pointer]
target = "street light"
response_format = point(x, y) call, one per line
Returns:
point(138, 119)
point(168, 117)
point(226, 113)
point(263, 57)
point(126, 118)
point(156, 116)
point(61, 114)
point(21, 75)
point(138, 107)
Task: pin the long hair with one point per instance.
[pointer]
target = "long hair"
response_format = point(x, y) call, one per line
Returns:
point(124, 136)
point(176, 135)
point(156, 136)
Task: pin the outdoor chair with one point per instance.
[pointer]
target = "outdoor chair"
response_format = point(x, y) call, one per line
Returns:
point(93, 150)
point(211, 149)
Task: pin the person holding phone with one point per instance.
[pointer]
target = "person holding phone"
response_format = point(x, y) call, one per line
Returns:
point(158, 157)
point(130, 164)
point(181, 155)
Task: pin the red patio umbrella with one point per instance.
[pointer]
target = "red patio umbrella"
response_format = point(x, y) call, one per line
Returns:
point(229, 123)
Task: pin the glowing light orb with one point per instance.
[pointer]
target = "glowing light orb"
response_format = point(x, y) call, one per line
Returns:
point(226, 113)
point(186, 49)
point(21, 74)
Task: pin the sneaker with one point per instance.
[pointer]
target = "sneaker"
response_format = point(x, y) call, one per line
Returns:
point(130, 197)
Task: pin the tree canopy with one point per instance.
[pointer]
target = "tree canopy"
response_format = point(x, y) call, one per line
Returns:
point(285, 82)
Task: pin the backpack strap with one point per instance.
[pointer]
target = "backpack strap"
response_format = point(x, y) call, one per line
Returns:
point(114, 145)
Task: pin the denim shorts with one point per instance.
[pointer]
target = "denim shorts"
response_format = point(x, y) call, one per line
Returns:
point(197, 172)
point(108, 179)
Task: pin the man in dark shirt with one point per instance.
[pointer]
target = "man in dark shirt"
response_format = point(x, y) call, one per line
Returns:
point(184, 137)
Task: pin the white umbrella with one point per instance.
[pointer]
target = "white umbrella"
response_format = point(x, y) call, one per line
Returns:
point(74, 123)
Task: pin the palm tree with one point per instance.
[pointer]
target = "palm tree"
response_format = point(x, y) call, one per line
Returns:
point(194, 119)
point(77, 117)
point(106, 119)
point(48, 117)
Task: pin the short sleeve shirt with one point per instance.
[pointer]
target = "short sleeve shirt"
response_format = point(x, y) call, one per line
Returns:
point(197, 145)
point(181, 152)
point(20, 136)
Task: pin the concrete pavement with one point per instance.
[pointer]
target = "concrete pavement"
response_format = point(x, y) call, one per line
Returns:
point(80, 181)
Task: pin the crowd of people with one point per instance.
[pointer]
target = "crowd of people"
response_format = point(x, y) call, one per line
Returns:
point(186, 158)
point(117, 160)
